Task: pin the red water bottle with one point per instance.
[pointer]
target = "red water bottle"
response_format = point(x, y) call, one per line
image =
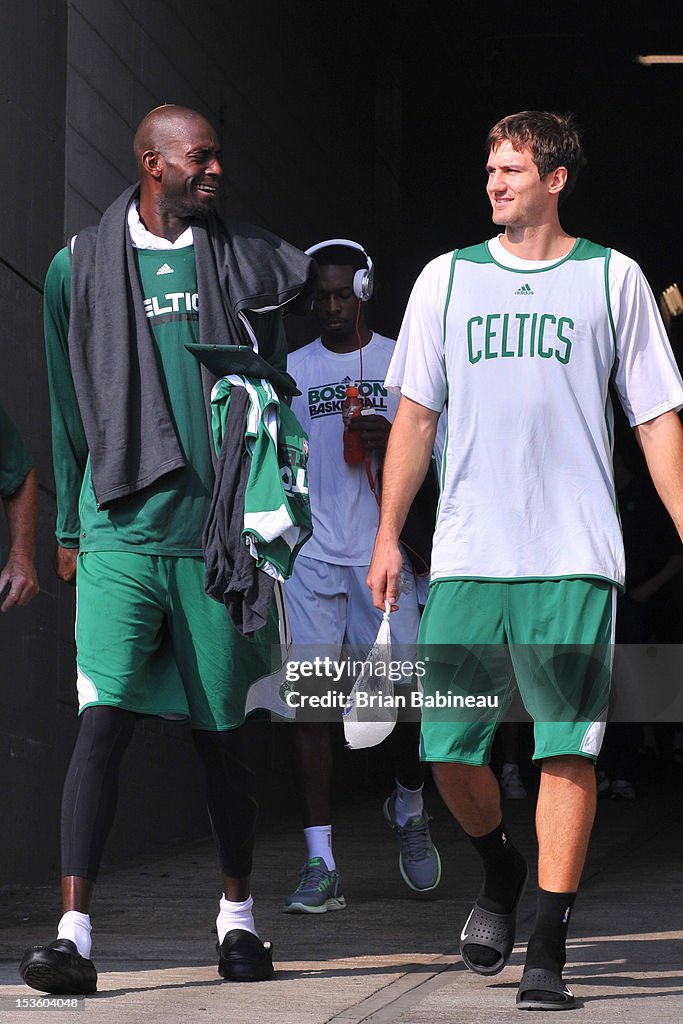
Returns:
point(352, 406)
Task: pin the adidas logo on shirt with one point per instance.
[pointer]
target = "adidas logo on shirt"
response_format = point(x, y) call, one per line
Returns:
point(526, 289)
point(165, 270)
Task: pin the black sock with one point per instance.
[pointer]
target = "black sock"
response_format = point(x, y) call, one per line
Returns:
point(547, 945)
point(504, 874)
point(504, 870)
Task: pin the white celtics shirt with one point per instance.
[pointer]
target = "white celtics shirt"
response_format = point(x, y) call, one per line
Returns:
point(522, 353)
point(344, 509)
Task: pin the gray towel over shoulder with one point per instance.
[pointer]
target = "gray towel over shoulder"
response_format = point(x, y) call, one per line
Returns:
point(130, 432)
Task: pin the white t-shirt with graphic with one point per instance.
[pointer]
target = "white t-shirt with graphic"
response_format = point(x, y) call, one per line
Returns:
point(344, 509)
point(522, 354)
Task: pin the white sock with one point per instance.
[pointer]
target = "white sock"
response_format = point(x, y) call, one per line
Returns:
point(408, 803)
point(319, 844)
point(77, 927)
point(235, 915)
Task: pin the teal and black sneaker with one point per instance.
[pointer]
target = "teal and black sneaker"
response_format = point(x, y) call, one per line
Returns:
point(318, 891)
point(418, 859)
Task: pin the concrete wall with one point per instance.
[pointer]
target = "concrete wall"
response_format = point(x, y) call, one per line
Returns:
point(258, 71)
point(307, 106)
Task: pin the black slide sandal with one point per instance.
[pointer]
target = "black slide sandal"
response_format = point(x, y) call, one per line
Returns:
point(495, 931)
point(535, 983)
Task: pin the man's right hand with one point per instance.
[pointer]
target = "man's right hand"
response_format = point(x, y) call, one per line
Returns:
point(66, 563)
point(384, 573)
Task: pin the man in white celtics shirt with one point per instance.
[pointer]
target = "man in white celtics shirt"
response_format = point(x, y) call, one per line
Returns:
point(520, 337)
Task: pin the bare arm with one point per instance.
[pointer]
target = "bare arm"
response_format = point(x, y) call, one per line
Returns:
point(662, 442)
point(20, 571)
point(407, 460)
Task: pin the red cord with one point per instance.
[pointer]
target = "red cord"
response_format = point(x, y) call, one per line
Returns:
point(360, 344)
point(372, 480)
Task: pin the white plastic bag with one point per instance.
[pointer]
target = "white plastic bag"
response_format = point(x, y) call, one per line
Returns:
point(370, 717)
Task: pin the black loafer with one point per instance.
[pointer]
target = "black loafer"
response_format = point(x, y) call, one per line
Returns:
point(243, 957)
point(59, 968)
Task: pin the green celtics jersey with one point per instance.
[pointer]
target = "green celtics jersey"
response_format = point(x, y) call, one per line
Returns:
point(169, 516)
point(277, 510)
point(522, 354)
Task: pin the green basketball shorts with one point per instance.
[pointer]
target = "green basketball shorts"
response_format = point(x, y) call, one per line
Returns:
point(149, 640)
point(482, 640)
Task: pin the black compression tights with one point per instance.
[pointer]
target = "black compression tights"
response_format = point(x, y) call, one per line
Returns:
point(91, 791)
point(91, 788)
point(231, 796)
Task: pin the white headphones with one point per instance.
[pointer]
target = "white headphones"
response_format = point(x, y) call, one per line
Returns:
point(363, 280)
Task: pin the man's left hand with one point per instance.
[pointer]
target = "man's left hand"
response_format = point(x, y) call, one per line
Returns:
point(20, 575)
point(374, 431)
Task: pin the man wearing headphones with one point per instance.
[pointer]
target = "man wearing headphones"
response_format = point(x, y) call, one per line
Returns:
point(327, 599)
